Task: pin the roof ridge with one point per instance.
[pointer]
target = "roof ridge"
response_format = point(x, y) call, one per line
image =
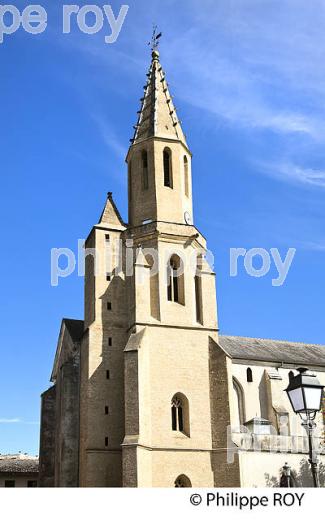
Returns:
point(273, 340)
point(72, 319)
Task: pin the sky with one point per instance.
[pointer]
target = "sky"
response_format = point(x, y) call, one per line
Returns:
point(248, 82)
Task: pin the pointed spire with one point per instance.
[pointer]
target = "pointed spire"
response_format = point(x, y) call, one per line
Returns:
point(110, 214)
point(157, 116)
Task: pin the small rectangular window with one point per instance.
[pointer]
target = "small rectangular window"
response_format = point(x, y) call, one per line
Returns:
point(106, 441)
point(31, 483)
point(107, 374)
point(110, 342)
point(106, 410)
point(109, 306)
point(108, 277)
point(107, 238)
point(10, 483)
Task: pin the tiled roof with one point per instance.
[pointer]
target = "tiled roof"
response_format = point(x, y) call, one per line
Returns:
point(18, 464)
point(273, 350)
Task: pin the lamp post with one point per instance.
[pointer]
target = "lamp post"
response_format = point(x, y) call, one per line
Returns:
point(305, 395)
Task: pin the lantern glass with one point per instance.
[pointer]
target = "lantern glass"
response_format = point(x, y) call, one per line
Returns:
point(313, 398)
point(297, 399)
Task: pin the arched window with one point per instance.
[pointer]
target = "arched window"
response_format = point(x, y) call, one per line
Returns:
point(186, 176)
point(239, 418)
point(175, 280)
point(177, 415)
point(168, 176)
point(249, 375)
point(145, 177)
point(180, 414)
point(182, 481)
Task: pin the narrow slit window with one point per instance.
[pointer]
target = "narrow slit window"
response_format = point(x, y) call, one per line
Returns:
point(145, 176)
point(107, 374)
point(109, 306)
point(106, 442)
point(106, 410)
point(198, 298)
point(168, 180)
point(110, 342)
point(186, 176)
point(249, 375)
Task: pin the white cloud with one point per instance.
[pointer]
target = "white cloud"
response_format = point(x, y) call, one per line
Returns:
point(289, 172)
point(230, 90)
point(16, 420)
point(109, 137)
point(313, 246)
point(254, 65)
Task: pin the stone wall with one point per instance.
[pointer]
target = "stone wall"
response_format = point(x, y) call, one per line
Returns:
point(47, 438)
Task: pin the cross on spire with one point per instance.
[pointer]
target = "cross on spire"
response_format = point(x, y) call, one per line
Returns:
point(157, 116)
point(155, 39)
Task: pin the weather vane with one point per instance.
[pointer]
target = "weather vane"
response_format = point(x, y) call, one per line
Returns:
point(155, 39)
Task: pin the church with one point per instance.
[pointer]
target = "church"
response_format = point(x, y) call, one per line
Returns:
point(145, 392)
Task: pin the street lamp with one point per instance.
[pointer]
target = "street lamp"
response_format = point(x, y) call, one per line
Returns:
point(305, 395)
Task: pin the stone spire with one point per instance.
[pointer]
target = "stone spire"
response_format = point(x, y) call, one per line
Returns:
point(157, 116)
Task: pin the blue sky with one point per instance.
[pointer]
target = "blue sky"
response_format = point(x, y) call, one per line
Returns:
point(248, 81)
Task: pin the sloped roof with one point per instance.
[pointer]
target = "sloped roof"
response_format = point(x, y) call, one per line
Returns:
point(110, 214)
point(273, 350)
point(75, 328)
point(135, 340)
point(18, 464)
point(157, 116)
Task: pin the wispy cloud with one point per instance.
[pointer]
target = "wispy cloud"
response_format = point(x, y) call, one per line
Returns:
point(289, 172)
point(16, 420)
point(229, 89)
point(253, 65)
point(313, 246)
point(109, 136)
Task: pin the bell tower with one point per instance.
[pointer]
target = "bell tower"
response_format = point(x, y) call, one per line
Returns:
point(171, 306)
point(159, 160)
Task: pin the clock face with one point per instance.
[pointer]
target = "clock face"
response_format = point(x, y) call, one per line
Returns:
point(187, 218)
